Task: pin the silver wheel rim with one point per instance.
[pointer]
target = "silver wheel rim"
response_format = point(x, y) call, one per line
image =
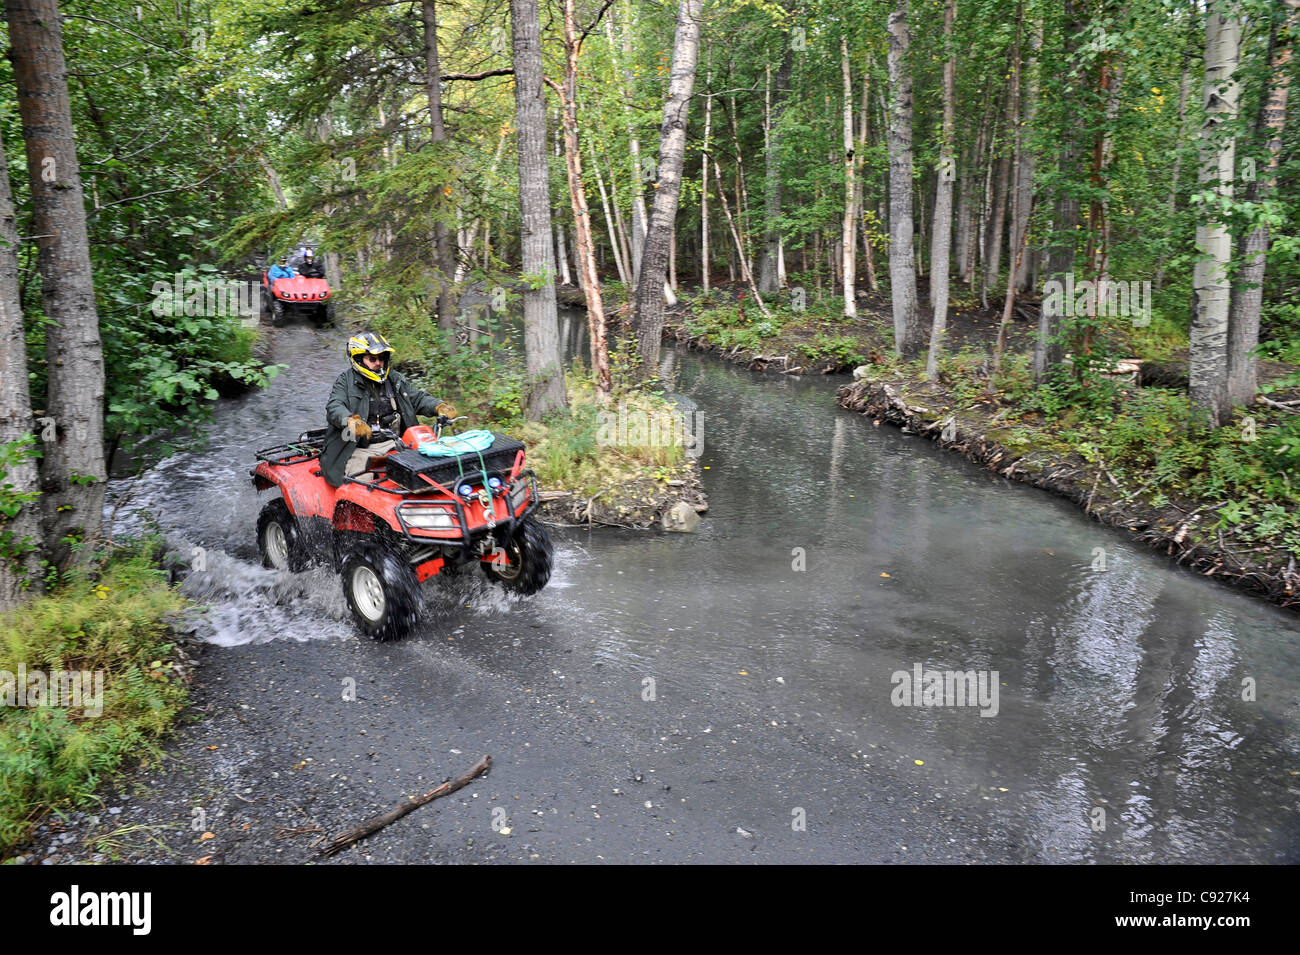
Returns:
point(510, 570)
point(368, 593)
point(277, 546)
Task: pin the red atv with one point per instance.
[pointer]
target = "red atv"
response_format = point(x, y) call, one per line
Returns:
point(404, 519)
point(283, 297)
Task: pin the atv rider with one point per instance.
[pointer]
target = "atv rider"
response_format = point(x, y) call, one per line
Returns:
point(310, 268)
point(280, 270)
point(366, 396)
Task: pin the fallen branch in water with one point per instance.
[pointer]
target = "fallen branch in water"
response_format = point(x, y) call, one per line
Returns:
point(401, 809)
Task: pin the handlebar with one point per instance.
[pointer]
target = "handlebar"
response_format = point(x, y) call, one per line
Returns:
point(384, 434)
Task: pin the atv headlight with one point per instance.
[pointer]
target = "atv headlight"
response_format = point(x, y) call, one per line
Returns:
point(428, 518)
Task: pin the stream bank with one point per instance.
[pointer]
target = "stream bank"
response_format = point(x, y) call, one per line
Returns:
point(1184, 530)
point(1228, 513)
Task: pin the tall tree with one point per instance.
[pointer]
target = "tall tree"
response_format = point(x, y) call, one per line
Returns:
point(541, 320)
point(19, 566)
point(848, 233)
point(648, 305)
point(73, 473)
point(585, 248)
point(1208, 346)
point(941, 236)
point(1248, 292)
point(704, 188)
point(1049, 351)
point(444, 253)
point(1025, 162)
point(908, 332)
point(769, 279)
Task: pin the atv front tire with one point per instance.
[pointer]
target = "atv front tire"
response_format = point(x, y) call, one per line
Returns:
point(279, 539)
point(526, 566)
point(277, 313)
point(382, 592)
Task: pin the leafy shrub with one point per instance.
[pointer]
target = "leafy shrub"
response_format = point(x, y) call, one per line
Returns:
point(52, 757)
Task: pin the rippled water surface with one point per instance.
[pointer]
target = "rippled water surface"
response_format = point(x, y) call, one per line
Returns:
point(833, 556)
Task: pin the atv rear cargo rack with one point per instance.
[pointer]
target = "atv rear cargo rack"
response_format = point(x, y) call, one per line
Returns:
point(307, 447)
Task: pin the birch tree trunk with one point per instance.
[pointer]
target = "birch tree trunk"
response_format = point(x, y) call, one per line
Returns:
point(745, 272)
point(858, 183)
point(273, 178)
point(997, 220)
point(967, 198)
point(609, 222)
point(1208, 347)
point(704, 189)
point(541, 326)
point(908, 336)
point(1243, 334)
point(584, 247)
point(73, 471)
point(561, 253)
point(445, 257)
point(648, 305)
point(622, 229)
point(1017, 248)
point(942, 232)
point(20, 575)
point(848, 239)
point(767, 270)
point(1048, 348)
point(741, 191)
point(1025, 164)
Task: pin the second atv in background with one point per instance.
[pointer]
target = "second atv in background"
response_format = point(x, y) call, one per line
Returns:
point(296, 284)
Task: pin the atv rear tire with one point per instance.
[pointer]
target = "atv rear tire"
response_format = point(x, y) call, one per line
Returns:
point(279, 540)
point(527, 565)
point(382, 592)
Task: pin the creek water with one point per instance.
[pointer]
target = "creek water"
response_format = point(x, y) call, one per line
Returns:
point(1136, 713)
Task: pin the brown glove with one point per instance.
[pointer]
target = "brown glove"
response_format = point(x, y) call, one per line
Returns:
point(446, 409)
point(357, 429)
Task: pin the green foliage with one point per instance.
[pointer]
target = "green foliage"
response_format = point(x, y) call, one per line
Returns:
point(55, 757)
point(570, 441)
point(965, 372)
point(1281, 323)
point(1077, 390)
point(839, 350)
point(568, 452)
point(725, 326)
point(167, 368)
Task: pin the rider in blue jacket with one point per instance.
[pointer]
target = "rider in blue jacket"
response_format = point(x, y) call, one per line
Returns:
point(281, 271)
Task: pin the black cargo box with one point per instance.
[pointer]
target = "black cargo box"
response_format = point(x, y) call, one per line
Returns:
point(405, 467)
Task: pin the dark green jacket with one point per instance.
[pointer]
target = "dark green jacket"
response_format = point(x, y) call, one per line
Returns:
point(351, 395)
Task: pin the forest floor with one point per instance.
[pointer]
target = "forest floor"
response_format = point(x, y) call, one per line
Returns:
point(1220, 502)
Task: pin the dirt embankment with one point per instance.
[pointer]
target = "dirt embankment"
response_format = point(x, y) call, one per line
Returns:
point(640, 504)
point(1183, 530)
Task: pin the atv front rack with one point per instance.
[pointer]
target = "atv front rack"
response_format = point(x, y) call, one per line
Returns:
point(307, 447)
point(465, 534)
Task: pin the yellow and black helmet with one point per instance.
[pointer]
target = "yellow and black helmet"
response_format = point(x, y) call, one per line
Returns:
point(369, 343)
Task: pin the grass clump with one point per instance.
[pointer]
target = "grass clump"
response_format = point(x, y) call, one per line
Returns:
point(110, 623)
